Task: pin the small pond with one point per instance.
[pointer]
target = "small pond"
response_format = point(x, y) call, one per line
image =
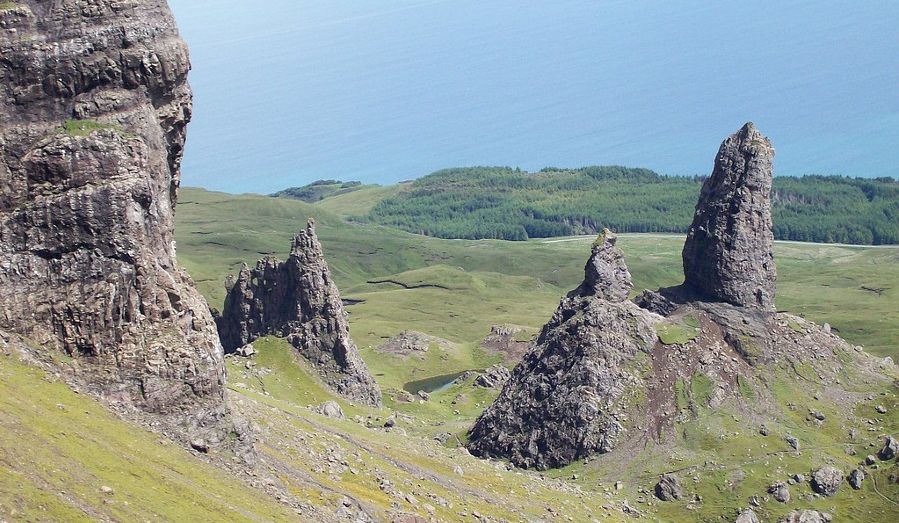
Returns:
point(434, 383)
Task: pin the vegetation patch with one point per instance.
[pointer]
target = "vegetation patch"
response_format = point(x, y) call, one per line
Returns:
point(86, 127)
point(510, 204)
point(674, 334)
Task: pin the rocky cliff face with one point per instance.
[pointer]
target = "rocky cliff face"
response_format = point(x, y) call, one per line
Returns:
point(729, 253)
point(94, 102)
point(568, 397)
point(298, 300)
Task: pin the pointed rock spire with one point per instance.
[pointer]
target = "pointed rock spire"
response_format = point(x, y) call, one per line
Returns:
point(728, 255)
point(563, 401)
point(606, 274)
point(298, 300)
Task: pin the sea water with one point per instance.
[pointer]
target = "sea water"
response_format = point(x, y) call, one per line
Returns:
point(290, 91)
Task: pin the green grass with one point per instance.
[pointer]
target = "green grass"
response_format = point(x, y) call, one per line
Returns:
point(58, 448)
point(671, 334)
point(497, 281)
point(85, 127)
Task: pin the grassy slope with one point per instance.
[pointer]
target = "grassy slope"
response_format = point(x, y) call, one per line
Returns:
point(50, 475)
point(58, 448)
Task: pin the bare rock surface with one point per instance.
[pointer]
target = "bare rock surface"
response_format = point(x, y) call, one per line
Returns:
point(728, 255)
point(298, 300)
point(747, 516)
point(827, 480)
point(563, 401)
point(494, 377)
point(606, 275)
point(94, 103)
point(668, 488)
point(806, 516)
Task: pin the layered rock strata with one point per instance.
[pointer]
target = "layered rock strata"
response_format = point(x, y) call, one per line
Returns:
point(728, 255)
point(94, 103)
point(564, 400)
point(298, 300)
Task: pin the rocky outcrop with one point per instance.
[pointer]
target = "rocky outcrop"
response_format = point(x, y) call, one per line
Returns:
point(605, 275)
point(564, 400)
point(728, 255)
point(94, 103)
point(493, 378)
point(298, 300)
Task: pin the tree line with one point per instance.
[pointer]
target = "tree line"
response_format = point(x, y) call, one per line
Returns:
point(509, 204)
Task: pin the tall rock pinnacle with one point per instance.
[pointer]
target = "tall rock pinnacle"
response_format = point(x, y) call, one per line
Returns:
point(299, 301)
point(606, 274)
point(565, 400)
point(728, 255)
point(94, 103)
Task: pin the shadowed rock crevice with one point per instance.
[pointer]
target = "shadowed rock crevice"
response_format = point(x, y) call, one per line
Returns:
point(298, 300)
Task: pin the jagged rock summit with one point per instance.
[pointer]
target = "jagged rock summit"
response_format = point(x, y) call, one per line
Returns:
point(568, 397)
point(298, 300)
point(94, 103)
point(606, 275)
point(728, 255)
point(607, 373)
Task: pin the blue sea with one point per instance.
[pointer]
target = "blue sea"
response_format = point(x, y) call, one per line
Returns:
point(291, 91)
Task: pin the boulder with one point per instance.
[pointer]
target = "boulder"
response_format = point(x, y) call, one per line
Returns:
point(747, 516)
point(331, 409)
point(827, 480)
point(728, 255)
point(246, 351)
point(806, 516)
point(856, 477)
point(668, 488)
point(780, 492)
point(890, 449)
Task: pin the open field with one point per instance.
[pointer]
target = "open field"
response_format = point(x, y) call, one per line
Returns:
point(464, 287)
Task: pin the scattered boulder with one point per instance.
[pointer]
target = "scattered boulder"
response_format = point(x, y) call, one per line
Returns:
point(107, 490)
point(870, 460)
point(728, 255)
point(246, 351)
point(780, 492)
point(792, 441)
point(807, 516)
point(856, 477)
point(493, 378)
point(827, 480)
point(199, 445)
point(747, 516)
point(890, 449)
point(390, 422)
point(298, 300)
point(409, 343)
point(424, 396)
point(668, 488)
point(880, 409)
point(331, 409)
